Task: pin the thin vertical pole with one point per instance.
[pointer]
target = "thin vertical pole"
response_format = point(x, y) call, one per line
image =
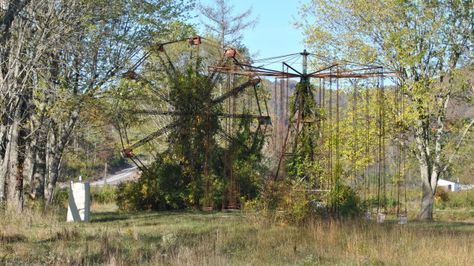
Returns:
point(379, 144)
point(323, 134)
point(367, 143)
point(354, 128)
point(404, 157)
point(399, 147)
point(276, 132)
point(330, 127)
point(384, 162)
point(337, 122)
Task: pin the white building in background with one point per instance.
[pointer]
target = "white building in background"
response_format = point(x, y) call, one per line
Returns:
point(449, 185)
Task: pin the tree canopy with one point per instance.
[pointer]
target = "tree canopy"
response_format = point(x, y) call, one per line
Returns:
point(425, 42)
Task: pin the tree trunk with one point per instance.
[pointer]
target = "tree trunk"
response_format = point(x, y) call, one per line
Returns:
point(53, 172)
point(56, 142)
point(35, 165)
point(429, 180)
point(49, 179)
point(12, 166)
point(3, 174)
point(29, 163)
point(2, 156)
point(39, 169)
point(427, 203)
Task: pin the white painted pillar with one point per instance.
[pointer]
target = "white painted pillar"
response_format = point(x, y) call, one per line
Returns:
point(79, 202)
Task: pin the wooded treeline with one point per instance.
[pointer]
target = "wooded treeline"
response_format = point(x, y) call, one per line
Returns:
point(56, 56)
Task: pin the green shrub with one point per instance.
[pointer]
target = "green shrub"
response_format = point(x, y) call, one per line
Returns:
point(103, 195)
point(441, 197)
point(263, 209)
point(60, 197)
point(163, 187)
point(127, 193)
point(288, 202)
point(214, 197)
point(296, 207)
point(460, 199)
point(282, 202)
point(343, 200)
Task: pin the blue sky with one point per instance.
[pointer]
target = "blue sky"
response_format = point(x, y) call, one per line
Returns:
point(274, 33)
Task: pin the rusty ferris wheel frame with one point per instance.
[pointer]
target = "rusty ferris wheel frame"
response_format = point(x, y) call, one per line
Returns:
point(334, 70)
point(226, 99)
point(229, 57)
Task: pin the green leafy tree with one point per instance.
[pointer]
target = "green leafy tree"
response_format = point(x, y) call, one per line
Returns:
point(303, 166)
point(70, 52)
point(426, 42)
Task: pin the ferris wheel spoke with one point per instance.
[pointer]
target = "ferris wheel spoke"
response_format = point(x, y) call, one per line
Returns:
point(129, 151)
point(264, 119)
point(230, 138)
point(160, 113)
point(235, 91)
point(255, 140)
point(140, 78)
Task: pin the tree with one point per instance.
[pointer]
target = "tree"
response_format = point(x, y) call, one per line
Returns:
point(426, 42)
point(58, 56)
point(25, 39)
point(10, 10)
point(223, 25)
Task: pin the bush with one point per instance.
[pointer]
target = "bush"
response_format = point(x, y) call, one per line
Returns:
point(344, 201)
point(441, 195)
point(163, 187)
point(289, 203)
point(103, 195)
point(264, 207)
point(282, 202)
point(296, 206)
point(459, 199)
point(127, 193)
point(61, 197)
point(215, 196)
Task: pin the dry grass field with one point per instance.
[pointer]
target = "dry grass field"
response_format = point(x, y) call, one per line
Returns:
point(230, 238)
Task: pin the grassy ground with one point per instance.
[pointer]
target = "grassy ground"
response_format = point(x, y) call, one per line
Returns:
point(194, 238)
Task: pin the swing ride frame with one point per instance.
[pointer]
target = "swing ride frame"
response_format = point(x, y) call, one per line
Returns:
point(335, 71)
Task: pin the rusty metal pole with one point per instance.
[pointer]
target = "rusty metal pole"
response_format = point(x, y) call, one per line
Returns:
point(305, 64)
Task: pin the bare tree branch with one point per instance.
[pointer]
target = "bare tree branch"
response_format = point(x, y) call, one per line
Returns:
point(228, 28)
point(14, 7)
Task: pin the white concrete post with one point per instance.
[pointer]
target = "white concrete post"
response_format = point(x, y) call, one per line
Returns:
point(380, 218)
point(79, 202)
point(402, 219)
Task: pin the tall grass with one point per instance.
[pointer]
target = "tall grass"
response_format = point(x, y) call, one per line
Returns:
point(191, 238)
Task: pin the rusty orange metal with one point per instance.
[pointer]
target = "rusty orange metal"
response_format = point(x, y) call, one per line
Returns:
point(196, 40)
point(230, 53)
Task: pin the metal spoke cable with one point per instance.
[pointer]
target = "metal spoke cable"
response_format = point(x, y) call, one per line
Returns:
point(273, 58)
point(278, 61)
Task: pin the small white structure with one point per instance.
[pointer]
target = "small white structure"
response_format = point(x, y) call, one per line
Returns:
point(79, 206)
point(402, 219)
point(449, 185)
point(380, 218)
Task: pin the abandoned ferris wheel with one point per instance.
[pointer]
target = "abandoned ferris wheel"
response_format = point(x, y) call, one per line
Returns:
point(314, 106)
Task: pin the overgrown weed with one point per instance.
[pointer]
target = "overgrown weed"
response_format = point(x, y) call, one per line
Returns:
point(193, 238)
